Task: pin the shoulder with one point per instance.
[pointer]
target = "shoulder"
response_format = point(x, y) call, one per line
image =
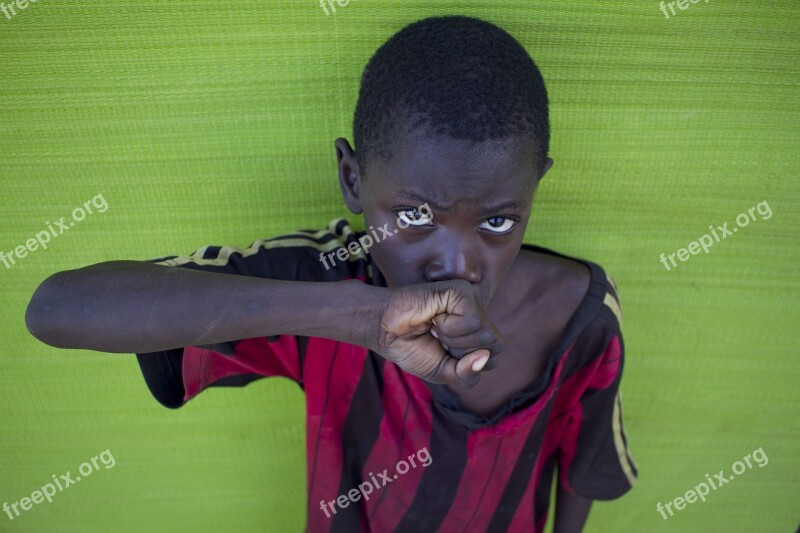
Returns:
point(547, 286)
point(593, 334)
point(573, 281)
point(549, 271)
point(574, 299)
point(303, 255)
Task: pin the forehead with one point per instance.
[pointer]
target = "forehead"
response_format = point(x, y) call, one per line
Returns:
point(449, 170)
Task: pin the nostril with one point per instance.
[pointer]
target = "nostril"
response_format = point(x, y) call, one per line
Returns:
point(456, 268)
point(441, 275)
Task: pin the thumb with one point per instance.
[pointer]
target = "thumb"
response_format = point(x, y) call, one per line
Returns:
point(468, 368)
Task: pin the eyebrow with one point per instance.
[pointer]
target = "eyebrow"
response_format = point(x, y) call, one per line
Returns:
point(512, 205)
point(415, 197)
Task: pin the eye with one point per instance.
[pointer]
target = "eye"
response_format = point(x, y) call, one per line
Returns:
point(413, 217)
point(498, 225)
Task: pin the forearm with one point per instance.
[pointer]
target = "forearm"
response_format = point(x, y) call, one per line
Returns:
point(571, 511)
point(130, 306)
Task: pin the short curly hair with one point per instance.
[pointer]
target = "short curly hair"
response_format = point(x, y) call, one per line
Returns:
point(456, 76)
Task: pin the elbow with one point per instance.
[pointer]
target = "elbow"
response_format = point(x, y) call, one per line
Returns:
point(44, 316)
point(35, 321)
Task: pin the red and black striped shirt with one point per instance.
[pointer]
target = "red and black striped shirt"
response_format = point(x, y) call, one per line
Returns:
point(364, 414)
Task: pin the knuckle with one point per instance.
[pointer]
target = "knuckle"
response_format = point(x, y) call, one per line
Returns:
point(472, 322)
point(487, 338)
point(458, 353)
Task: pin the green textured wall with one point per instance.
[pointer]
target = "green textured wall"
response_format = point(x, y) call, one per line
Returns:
point(212, 122)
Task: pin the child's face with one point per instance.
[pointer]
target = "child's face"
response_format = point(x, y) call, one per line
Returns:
point(480, 198)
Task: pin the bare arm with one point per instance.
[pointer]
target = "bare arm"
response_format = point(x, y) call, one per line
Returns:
point(571, 511)
point(139, 307)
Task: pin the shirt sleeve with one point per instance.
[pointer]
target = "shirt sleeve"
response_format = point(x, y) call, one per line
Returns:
point(175, 376)
point(594, 461)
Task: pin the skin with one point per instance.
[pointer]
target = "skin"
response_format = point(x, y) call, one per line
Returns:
point(474, 190)
point(463, 306)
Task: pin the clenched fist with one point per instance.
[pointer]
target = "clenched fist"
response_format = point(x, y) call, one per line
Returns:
point(439, 332)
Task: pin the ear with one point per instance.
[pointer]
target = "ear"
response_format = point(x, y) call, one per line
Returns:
point(349, 175)
point(547, 164)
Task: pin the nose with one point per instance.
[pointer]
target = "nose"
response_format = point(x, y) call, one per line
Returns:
point(453, 258)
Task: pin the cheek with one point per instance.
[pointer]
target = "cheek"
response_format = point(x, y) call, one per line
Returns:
point(393, 257)
point(395, 260)
point(498, 263)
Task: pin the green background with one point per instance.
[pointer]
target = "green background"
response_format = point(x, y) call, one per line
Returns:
point(213, 123)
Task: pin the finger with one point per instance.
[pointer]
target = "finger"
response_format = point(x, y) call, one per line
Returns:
point(496, 352)
point(438, 319)
point(456, 325)
point(460, 346)
point(451, 371)
point(492, 363)
point(468, 369)
point(436, 336)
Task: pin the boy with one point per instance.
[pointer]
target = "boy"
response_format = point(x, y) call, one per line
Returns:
point(440, 333)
